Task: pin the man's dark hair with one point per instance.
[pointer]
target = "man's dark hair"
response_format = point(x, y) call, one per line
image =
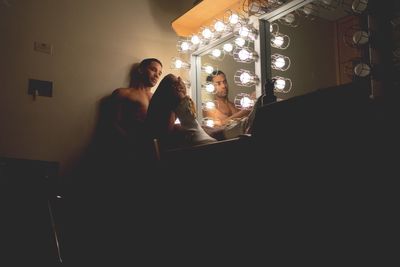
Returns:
point(146, 62)
point(213, 74)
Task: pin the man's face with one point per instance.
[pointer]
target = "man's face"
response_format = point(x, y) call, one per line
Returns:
point(152, 74)
point(221, 86)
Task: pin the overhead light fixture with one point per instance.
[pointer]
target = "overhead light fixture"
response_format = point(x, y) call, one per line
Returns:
point(280, 62)
point(245, 78)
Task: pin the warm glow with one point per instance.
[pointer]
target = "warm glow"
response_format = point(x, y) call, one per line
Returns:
point(216, 53)
point(244, 31)
point(185, 46)
point(228, 47)
point(178, 63)
point(240, 41)
point(209, 122)
point(207, 33)
point(210, 88)
point(280, 84)
point(195, 39)
point(234, 18)
point(210, 105)
point(244, 55)
point(246, 102)
point(208, 69)
point(245, 78)
point(278, 41)
point(219, 26)
point(279, 62)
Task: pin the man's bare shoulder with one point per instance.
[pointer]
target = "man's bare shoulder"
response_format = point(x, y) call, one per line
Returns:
point(122, 92)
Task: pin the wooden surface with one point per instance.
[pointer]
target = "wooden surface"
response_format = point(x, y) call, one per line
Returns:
point(203, 14)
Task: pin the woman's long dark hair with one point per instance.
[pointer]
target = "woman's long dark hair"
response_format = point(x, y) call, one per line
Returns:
point(161, 107)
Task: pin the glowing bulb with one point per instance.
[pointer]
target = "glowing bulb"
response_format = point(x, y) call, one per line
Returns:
point(207, 33)
point(216, 53)
point(246, 102)
point(208, 69)
point(278, 41)
point(210, 105)
point(233, 19)
point(185, 46)
point(219, 26)
point(244, 31)
point(244, 54)
point(209, 122)
point(195, 39)
point(178, 64)
point(210, 88)
point(279, 62)
point(245, 77)
point(271, 28)
point(240, 41)
point(228, 47)
point(280, 84)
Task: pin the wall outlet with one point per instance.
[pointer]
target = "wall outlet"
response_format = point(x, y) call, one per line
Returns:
point(43, 47)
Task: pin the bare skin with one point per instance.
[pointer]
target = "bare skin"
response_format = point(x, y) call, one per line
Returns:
point(225, 109)
point(134, 101)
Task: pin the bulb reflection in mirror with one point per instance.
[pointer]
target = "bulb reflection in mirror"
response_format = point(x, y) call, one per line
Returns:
point(243, 101)
point(209, 87)
point(280, 62)
point(207, 68)
point(178, 63)
point(245, 78)
point(208, 122)
point(282, 84)
point(209, 105)
point(280, 41)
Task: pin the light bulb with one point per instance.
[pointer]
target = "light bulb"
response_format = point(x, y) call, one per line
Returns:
point(244, 55)
point(280, 84)
point(216, 53)
point(244, 31)
point(240, 41)
point(178, 64)
point(245, 78)
point(219, 26)
point(279, 62)
point(278, 41)
point(208, 69)
point(207, 33)
point(228, 47)
point(195, 39)
point(209, 122)
point(234, 18)
point(308, 9)
point(185, 46)
point(246, 102)
point(210, 88)
point(362, 69)
point(210, 105)
point(360, 37)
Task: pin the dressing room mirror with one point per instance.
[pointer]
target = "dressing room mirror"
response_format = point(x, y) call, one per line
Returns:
point(311, 45)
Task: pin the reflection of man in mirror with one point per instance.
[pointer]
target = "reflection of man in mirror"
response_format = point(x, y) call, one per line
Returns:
point(225, 109)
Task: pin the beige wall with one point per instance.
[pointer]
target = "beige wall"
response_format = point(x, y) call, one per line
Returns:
point(95, 43)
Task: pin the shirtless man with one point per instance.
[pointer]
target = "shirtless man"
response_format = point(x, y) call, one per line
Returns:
point(225, 110)
point(132, 103)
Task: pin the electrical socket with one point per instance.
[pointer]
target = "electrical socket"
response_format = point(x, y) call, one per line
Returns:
point(43, 47)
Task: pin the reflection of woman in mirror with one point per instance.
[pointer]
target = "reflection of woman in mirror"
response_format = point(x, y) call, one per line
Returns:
point(224, 110)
